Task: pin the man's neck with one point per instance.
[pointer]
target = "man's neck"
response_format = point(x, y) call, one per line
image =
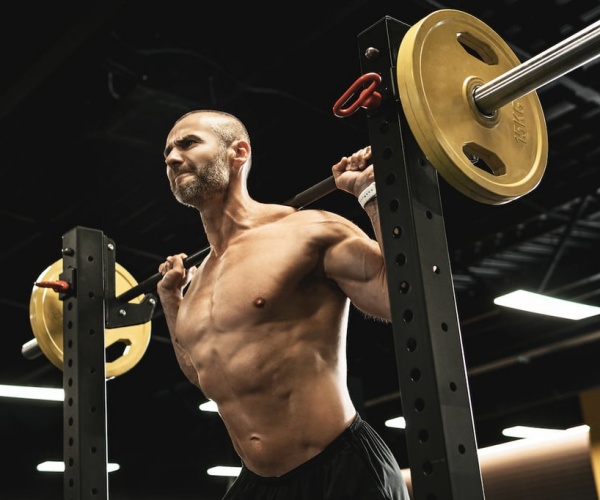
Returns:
point(224, 221)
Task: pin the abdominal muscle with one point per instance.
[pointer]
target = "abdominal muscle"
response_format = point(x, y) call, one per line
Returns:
point(274, 433)
point(280, 384)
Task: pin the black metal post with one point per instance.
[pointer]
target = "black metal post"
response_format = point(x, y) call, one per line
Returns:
point(84, 373)
point(441, 444)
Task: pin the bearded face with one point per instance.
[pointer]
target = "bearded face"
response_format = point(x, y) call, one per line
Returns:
point(208, 180)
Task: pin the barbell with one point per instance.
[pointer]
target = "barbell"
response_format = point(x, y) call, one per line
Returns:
point(472, 108)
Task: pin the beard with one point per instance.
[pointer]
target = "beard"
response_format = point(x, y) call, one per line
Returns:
point(211, 180)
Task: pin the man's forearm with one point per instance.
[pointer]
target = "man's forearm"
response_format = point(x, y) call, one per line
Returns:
point(372, 210)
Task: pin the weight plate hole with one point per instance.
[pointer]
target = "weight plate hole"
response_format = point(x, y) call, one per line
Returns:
point(484, 159)
point(476, 47)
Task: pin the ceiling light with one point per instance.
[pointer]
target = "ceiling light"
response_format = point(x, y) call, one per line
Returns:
point(55, 466)
point(223, 470)
point(209, 405)
point(26, 392)
point(523, 431)
point(397, 423)
point(542, 304)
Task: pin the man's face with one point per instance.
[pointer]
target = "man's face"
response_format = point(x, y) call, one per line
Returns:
point(197, 166)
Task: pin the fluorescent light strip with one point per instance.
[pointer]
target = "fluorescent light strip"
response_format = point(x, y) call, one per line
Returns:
point(542, 304)
point(54, 466)
point(223, 470)
point(209, 405)
point(25, 392)
point(396, 423)
point(523, 431)
point(518, 431)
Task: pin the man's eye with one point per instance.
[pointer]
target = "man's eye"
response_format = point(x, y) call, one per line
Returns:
point(185, 143)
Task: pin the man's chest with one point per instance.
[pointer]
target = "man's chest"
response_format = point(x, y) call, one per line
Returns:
point(248, 284)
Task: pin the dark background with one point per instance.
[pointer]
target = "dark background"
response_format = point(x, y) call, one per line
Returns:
point(88, 93)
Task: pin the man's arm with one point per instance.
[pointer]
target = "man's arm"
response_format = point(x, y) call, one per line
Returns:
point(355, 261)
point(170, 291)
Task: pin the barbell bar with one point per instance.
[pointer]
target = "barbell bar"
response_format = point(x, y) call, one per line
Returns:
point(554, 62)
point(480, 104)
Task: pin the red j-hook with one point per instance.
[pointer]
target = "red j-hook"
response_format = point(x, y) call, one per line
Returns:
point(367, 99)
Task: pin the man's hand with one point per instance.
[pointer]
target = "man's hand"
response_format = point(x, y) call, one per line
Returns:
point(175, 276)
point(354, 173)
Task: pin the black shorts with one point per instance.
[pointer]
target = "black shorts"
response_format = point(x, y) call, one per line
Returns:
point(357, 465)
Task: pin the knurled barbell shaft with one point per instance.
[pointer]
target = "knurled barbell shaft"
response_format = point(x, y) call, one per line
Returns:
point(572, 53)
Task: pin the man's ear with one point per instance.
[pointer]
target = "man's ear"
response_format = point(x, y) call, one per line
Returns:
point(241, 151)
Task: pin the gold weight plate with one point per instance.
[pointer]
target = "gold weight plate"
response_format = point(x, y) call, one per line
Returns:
point(492, 159)
point(46, 319)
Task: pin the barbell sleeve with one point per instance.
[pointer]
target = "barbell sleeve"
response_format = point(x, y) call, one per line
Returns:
point(31, 349)
point(571, 53)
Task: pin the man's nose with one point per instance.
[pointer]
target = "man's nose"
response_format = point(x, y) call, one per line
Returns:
point(173, 159)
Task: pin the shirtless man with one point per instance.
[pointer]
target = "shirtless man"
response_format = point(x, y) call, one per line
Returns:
point(260, 325)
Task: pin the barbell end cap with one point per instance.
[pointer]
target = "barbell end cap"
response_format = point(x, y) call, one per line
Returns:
point(31, 349)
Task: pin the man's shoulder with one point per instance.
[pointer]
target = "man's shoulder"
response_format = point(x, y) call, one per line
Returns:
point(309, 221)
point(315, 215)
point(321, 224)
